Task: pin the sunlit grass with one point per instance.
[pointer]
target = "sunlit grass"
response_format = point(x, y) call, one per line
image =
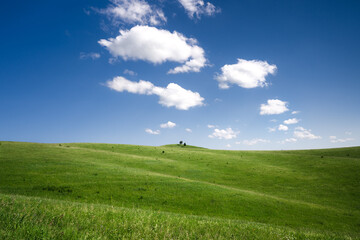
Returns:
point(125, 191)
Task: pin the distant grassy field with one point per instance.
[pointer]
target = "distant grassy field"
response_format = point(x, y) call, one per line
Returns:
point(109, 191)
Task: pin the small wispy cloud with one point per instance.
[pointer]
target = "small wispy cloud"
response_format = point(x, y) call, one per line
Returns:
point(129, 72)
point(169, 124)
point(149, 131)
point(303, 133)
point(334, 139)
point(271, 129)
point(91, 55)
point(253, 141)
point(196, 8)
point(288, 140)
point(291, 121)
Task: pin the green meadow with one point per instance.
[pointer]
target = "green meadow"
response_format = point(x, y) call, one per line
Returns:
point(111, 191)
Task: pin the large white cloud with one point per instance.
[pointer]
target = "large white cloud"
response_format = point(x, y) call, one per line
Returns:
point(227, 133)
point(291, 121)
point(134, 12)
point(303, 133)
point(157, 46)
point(273, 106)
point(246, 74)
point(198, 8)
point(171, 96)
point(169, 124)
point(175, 96)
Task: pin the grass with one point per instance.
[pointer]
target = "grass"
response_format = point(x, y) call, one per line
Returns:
point(84, 190)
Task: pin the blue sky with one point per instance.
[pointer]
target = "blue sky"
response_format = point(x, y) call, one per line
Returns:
point(219, 74)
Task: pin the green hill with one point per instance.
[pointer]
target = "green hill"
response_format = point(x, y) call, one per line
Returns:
point(83, 190)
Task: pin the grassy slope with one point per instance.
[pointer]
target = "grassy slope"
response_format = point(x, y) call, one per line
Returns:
point(194, 191)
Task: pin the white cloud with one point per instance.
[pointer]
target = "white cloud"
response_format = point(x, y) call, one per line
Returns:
point(149, 131)
point(112, 60)
point(188, 130)
point(227, 133)
point(198, 8)
point(348, 133)
point(129, 72)
point(171, 96)
point(157, 46)
point(334, 139)
point(228, 145)
point(273, 120)
point(291, 121)
point(253, 141)
point(289, 140)
point(295, 112)
point(134, 12)
point(270, 129)
point(175, 96)
point(246, 74)
point(303, 133)
point(283, 128)
point(211, 126)
point(169, 124)
point(91, 55)
point(121, 84)
point(87, 12)
point(273, 106)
